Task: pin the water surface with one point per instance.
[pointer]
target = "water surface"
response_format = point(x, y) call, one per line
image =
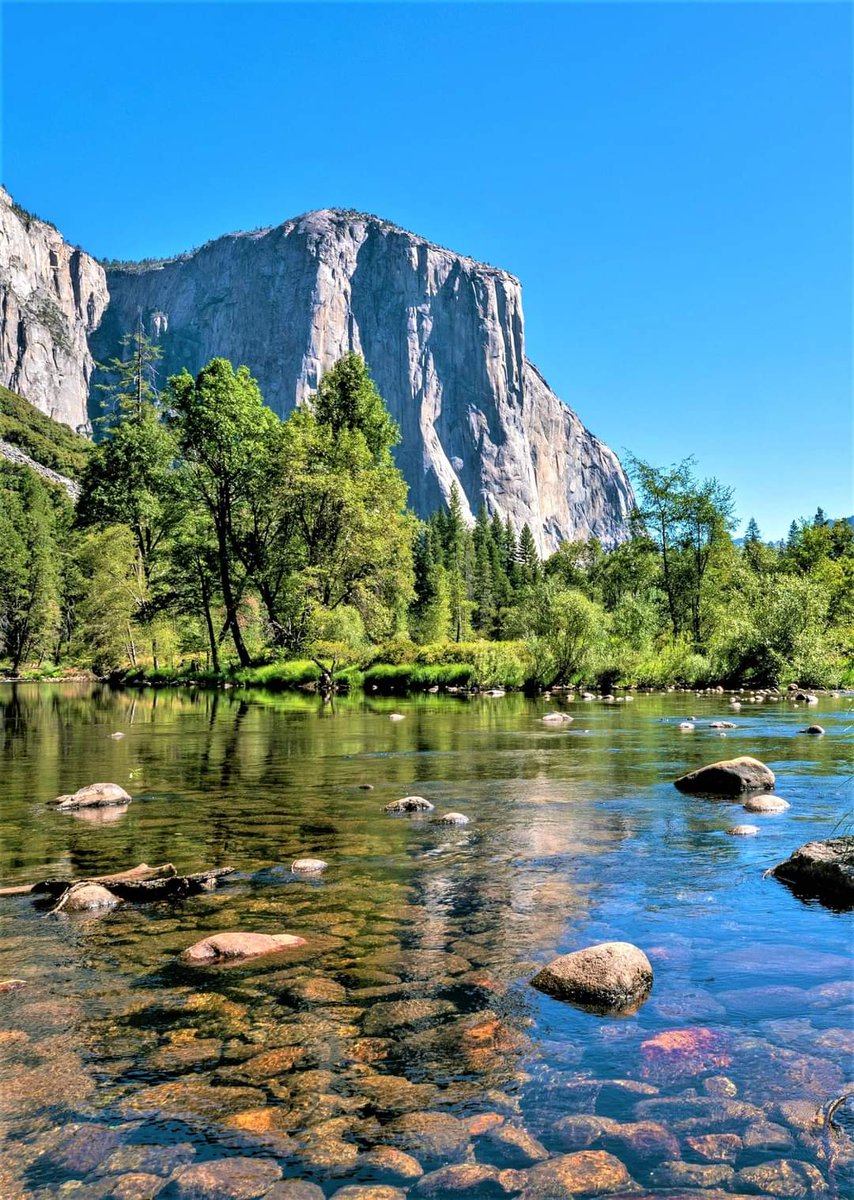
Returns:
point(412, 995)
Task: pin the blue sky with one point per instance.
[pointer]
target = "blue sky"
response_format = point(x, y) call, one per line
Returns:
point(671, 182)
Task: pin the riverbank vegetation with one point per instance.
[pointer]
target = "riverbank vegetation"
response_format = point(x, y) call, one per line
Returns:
point(216, 541)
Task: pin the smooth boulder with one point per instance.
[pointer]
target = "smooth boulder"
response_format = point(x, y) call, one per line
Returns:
point(308, 866)
point(729, 777)
point(451, 818)
point(90, 898)
point(743, 831)
point(765, 804)
point(609, 976)
point(813, 730)
point(233, 946)
point(94, 795)
point(409, 804)
point(824, 870)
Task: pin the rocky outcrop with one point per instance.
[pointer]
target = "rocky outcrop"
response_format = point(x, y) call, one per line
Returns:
point(52, 296)
point(17, 456)
point(824, 870)
point(444, 337)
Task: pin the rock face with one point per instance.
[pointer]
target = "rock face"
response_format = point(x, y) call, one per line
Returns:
point(444, 337)
point(612, 975)
point(728, 778)
point(51, 297)
point(822, 869)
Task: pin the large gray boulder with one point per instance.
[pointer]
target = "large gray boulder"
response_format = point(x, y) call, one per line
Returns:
point(94, 795)
point(824, 870)
point(729, 777)
point(611, 975)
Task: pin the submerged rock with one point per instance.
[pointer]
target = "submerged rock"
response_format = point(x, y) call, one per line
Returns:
point(611, 975)
point(783, 1177)
point(723, 725)
point(226, 1179)
point(398, 1165)
point(814, 730)
point(556, 718)
point(824, 870)
point(512, 1146)
point(408, 804)
point(94, 795)
point(743, 831)
point(728, 777)
point(430, 1135)
point(461, 1180)
point(225, 947)
point(89, 898)
point(679, 1174)
point(451, 818)
point(308, 866)
point(587, 1173)
point(765, 804)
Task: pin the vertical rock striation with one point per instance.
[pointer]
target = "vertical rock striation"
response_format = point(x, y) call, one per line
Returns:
point(51, 297)
point(444, 337)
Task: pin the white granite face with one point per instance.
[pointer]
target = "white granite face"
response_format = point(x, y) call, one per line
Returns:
point(51, 297)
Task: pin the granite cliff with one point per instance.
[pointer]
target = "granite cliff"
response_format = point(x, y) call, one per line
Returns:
point(444, 337)
point(52, 296)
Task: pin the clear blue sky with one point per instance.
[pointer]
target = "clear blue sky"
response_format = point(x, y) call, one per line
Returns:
point(671, 182)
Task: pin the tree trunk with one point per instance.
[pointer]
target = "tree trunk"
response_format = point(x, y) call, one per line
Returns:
point(231, 622)
point(206, 605)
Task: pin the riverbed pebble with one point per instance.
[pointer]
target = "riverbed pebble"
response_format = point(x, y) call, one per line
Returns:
point(238, 1178)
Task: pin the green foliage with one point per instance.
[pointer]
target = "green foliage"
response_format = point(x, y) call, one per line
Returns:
point(49, 442)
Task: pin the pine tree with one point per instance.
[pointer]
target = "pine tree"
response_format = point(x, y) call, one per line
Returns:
point(529, 559)
point(820, 519)
point(752, 534)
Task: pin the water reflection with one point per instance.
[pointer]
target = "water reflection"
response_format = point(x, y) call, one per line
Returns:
point(404, 1036)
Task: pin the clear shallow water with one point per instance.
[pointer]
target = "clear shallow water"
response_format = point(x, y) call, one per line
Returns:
point(412, 996)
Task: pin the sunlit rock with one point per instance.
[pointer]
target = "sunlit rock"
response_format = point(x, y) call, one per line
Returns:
point(765, 804)
point(728, 777)
point(409, 804)
point(90, 898)
point(611, 975)
point(588, 1173)
point(821, 869)
point(94, 795)
point(308, 866)
point(223, 947)
point(237, 1178)
point(429, 1135)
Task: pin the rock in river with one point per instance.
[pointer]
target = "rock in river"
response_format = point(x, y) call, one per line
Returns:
point(743, 831)
point(814, 730)
point(821, 869)
point(409, 804)
point(610, 976)
point(95, 795)
point(226, 1179)
point(587, 1173)
point(223, 947)
point(765, 804)
point(728, 778)
point(308, 866)
point(89, 898)
point(451, 818)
